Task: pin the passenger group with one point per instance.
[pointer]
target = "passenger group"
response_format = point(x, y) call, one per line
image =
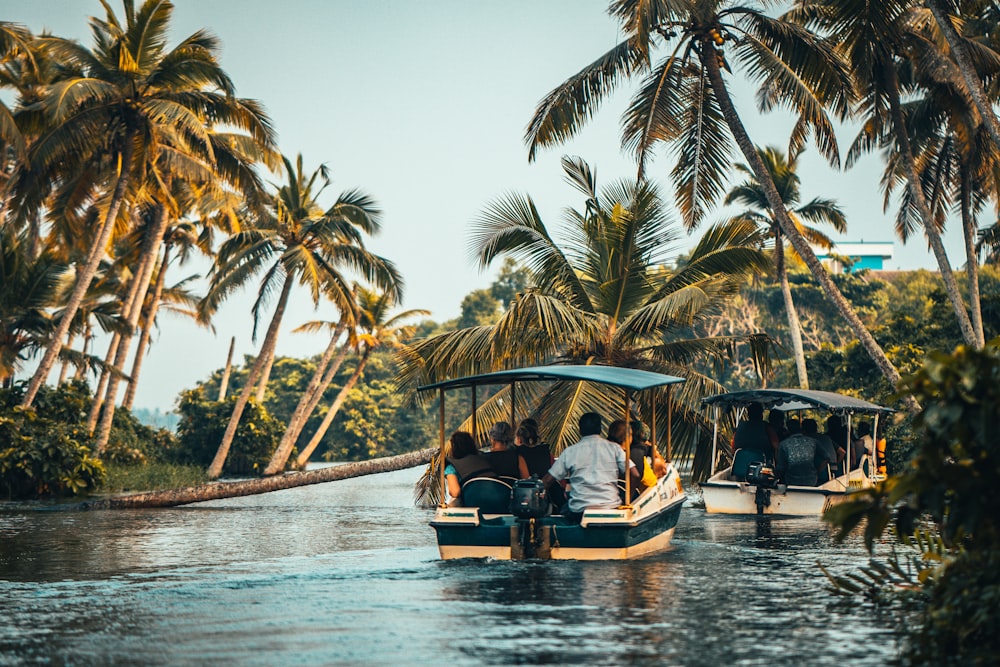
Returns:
point(801, 455)
point(588, 474)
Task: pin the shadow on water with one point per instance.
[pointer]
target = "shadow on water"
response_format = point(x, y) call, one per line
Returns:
point(348, 574)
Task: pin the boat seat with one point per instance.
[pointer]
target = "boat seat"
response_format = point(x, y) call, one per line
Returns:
point(489, 494)
point(741, 462)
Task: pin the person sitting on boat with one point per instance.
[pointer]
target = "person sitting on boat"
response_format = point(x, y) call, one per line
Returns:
point(863, 445)
point(502, 455)
point(640, 434)
point(534, 456)
point(776, 418)
point(755, 434)
point(592, 467)
point(830, 453)
point(799, 457)
point(464, 463)
point(620, 432)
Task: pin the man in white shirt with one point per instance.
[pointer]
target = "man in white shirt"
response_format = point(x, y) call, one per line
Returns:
point(592, 467)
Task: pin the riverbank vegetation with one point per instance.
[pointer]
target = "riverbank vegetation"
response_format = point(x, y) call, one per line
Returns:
point(123, 159)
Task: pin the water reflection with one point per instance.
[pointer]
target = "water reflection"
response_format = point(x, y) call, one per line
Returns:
point(348, 574)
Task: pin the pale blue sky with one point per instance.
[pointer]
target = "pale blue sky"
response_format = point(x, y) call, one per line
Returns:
point(423, 105)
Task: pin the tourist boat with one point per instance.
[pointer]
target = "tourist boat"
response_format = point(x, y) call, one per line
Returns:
point(748, 487)
point(508, 522)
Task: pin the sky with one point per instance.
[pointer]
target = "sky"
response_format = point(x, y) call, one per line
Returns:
point(423, 105)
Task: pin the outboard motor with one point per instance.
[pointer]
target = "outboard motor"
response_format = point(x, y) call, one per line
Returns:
point(529, 501)
point(761, 475)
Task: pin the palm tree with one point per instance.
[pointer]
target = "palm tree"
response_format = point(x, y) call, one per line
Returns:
point(961, 51)
point(31, 289)
point(878, 39)
point(606, 296)
point(291, 240)
point(376, 328)
point(751, 194)
point(684, 101)
point(326, 371)
point(124, 104)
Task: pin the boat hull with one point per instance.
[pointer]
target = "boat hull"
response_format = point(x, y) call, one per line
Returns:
point(606, 534)
point(725, 496)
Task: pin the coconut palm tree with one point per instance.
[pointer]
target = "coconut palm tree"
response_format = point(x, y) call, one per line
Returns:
point(683, 100)
point(376, 328)
point(878, 40)
point(605, 295)
point(31, 289)
point(962, 50)
point(293, 239)
point(122, 106)
point(751, 194)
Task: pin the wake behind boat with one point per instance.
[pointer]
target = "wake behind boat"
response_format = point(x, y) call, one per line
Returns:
point(511, 519)
point(749, 485)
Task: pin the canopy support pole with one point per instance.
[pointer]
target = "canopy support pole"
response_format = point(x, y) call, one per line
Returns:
point(628, 453)
point(670, 425)
point(444, 487)
point(475, 415)
point(715, 441)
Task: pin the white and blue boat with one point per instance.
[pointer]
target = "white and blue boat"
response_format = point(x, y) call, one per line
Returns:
point(508, 521)
point(746, 486)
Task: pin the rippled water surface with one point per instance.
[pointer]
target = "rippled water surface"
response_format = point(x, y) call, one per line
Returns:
point(347, 573)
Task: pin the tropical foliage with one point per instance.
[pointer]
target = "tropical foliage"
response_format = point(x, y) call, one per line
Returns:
point(605, 294)
point(947, 493)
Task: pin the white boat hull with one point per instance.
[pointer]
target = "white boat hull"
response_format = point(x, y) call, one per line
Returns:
point(725, 496)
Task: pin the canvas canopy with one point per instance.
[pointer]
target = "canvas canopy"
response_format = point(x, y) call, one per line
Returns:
point(626, 378)
point(797, 399)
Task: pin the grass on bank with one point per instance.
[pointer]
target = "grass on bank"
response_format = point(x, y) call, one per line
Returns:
point(125, 478)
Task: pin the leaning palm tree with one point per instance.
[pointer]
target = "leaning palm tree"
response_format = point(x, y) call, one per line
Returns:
point(751, 194)
point(293, 239)
point(377, 327)
point(125, 103)
point(882, 41)
point(684, 100)
point(964, 51)
point(605, 295)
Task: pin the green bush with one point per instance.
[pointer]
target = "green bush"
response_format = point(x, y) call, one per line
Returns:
point(45, 450)
point(203, 423)
point(949, 486)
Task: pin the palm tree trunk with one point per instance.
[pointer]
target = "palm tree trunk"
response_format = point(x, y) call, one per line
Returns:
point(969, 227)
point(64, 371)
point(303, 458)
point(265, 375)
point(267, 348)
point(787, 226)
point(219, 490)
point(303, 409)
point(224, 382)
point(930, 225)
point(85, 275)
point(102, 384)
point(148, 321)
point(81, 369)
point(972, 81)
point(794, 329)
point(149, 252)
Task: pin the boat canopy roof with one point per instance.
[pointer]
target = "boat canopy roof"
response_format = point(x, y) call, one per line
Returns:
point(627, 378)
point(796, 399)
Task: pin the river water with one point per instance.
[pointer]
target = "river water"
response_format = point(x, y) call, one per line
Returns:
point(347, 573)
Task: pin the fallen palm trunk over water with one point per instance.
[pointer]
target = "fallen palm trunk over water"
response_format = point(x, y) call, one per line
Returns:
point(219, 490)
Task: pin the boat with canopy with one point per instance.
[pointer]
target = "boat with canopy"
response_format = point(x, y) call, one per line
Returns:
point(749, 486)
point(509, 522)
